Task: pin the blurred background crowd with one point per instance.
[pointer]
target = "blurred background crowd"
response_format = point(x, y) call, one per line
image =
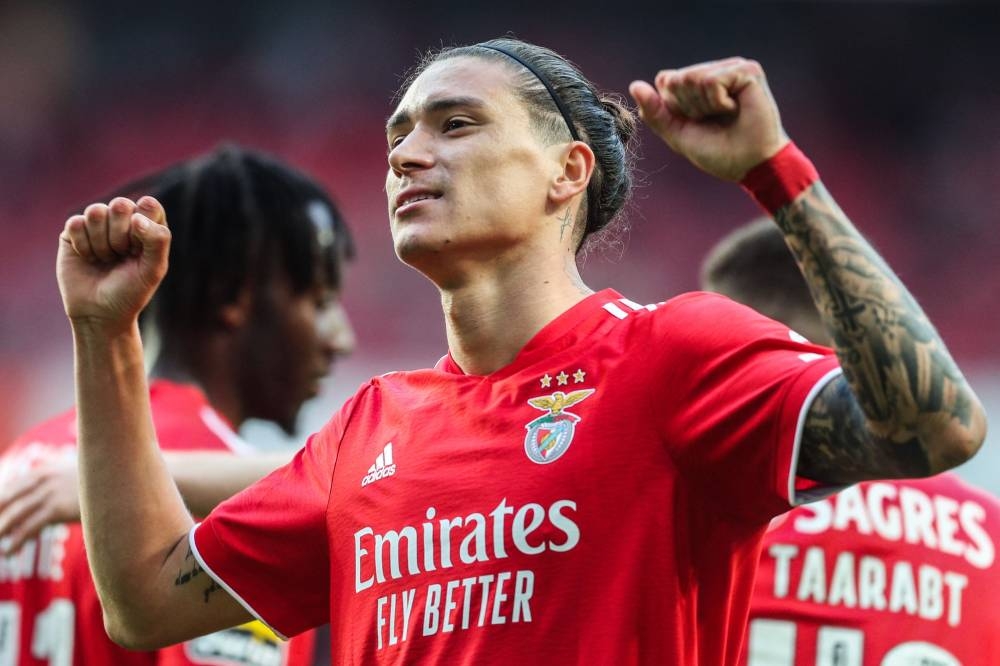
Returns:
point(897, 104)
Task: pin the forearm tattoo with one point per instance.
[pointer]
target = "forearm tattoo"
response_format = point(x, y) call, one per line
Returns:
point(190, 571)
point(901, 377)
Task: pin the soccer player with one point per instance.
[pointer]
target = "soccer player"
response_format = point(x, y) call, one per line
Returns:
point(886, 573)
point(256, 264)
point(582, 478)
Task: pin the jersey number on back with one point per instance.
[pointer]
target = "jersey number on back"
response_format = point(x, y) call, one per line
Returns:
point(772, 643)
point(52, 638)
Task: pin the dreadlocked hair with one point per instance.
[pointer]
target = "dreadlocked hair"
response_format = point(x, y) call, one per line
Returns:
point(228, 211)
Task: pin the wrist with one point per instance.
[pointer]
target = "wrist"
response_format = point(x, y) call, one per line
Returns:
point(780, 179)
point(99, 328)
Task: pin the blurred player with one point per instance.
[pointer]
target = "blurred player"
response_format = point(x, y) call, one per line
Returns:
point(582, 478)
point(256, 268)
point(885, 573)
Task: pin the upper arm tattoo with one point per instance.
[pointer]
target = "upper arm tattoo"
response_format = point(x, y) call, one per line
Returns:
point(838, 447)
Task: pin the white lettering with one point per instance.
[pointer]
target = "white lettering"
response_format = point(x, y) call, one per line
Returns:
point(408, 596)
point(903, 593)
point(478, 537)
point(851, 509)
point(918, 517)
point(842, 586)
point(499, 597)
point(449, 606)
point(485, 582)
point(868, 582)
point(568, 527)
point(894, 512)
point(446, 527)
point(360, 552)
point(871, 576)
point(431, 609)
point(782, 555)
point(498, 515)
point(380, 621)
point(931, 605)
point(947, 525)
point(955, 583)
point(393, 538)
point(378, 474)
point(445, 613)
point(981, 552)
point(886, 520)
point(467, 584)
point(429, 540)
point(819, 522)
point(812, 585)
point(524, 588)
point(521, 530)
point(439, 543)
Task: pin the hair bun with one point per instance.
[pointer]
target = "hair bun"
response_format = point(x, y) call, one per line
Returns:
point(625, 119)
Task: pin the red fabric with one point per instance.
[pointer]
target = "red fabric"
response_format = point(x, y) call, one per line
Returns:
point(49, 610)
point(631, 540)
point(776, 182)
point(887, 572)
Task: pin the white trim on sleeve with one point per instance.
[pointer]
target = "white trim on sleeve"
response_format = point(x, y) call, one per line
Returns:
point(221, 429)
point(225, 586)
point(795, 499)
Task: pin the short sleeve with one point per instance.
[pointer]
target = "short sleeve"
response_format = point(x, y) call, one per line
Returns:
point(267, 546)
point(742, 384)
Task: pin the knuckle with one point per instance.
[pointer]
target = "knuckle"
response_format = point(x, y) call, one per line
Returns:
point(94, 209)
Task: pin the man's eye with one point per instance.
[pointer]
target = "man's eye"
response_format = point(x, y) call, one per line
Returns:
point(455, 123)
point(396, 140)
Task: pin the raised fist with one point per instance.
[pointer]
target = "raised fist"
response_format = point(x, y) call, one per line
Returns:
point(111, 259)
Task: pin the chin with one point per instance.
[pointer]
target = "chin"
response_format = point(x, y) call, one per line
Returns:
point(418, 252)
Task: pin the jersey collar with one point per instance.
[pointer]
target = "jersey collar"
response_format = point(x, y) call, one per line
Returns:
point(573, 325)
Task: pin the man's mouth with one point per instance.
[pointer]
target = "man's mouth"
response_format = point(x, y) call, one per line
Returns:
point(412, 196)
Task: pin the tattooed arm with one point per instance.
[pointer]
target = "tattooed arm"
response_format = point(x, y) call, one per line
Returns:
point(902, 407)
point(134, 522)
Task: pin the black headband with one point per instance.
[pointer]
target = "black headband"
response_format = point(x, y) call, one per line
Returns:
point(538, 75)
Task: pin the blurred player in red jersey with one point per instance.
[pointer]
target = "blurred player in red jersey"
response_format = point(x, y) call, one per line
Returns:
point(582, 478)
point(884, 573)
point(256, 269)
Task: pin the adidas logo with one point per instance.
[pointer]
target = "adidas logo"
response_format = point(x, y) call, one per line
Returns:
point(382, 468)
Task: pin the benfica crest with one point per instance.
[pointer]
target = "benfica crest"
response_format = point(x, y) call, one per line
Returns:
point(551, 434)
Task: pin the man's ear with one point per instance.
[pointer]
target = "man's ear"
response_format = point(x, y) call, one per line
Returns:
point(237, 313)
point(576, 162)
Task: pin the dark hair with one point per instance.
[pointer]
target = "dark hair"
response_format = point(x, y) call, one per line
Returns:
point(236, 216)
point(603, 121)
point(753, 265)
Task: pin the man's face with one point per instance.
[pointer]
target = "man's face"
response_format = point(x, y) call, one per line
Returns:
point(289, 345)
point(468, 176)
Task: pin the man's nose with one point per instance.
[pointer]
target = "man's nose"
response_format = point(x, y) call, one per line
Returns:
point(412, 152)
point(336, 330)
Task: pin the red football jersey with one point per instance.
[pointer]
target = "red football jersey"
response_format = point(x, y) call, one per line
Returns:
point(599, 500)
point(887, 573)
point(50, 614)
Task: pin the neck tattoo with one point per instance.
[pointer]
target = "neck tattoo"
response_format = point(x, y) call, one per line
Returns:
point(565, 222)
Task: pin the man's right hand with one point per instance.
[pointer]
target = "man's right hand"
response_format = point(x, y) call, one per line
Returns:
point(111, 259)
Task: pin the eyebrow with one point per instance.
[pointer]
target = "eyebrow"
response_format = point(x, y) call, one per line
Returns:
point(434, 106)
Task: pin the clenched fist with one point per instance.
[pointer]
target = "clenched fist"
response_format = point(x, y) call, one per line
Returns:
point(111, 259)
point(720, 115)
